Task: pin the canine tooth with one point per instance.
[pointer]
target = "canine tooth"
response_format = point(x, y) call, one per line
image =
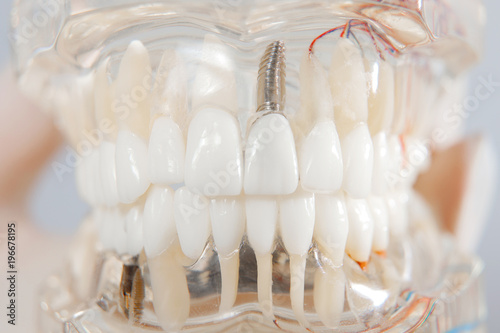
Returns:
point(321, 168)
point(170, 291)
point(332, 226)
point(108, 173)
point(329, 293)
point(360, 238)
point(380, 216)
point(381, 96)
point(228, 225)
point(131, 166)
point(134, 230)
point(381, 164)
point(357, 156)
point(213, 154)
point(262, 217)
point(166, 152)
point(297, 216)
point(348, 86)
point(192, 220)
point(270, 157)
point(159, 225)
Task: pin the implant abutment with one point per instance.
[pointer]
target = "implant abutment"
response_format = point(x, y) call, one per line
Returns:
point(271, 85)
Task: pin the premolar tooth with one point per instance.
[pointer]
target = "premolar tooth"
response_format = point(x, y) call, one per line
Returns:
point(270, 157)
point(213, 154)
point(329, 292)
point(108, 173)
point(332, 226)
point(228, 225)
point(192, 221)
point(360, 238)
point(381, 164)
point(357, 155)
point(159, 224)
point(262, 217)
point(380, 216)
point(134, 230)
point(297, 216)
point(166, 152)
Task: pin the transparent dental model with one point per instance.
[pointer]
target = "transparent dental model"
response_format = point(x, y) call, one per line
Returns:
point(250, 164)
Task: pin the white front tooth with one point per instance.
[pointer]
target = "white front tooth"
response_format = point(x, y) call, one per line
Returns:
point(297, 216)
point(357, 156)
point(381, 96)
point(332, 226)
point(134, 229)
point(214, 160)
point(380, 216)
point(397, 204)
point(159, 225)
point(381, 164)
point(270, 157)
point(192, 220)
point(262, 217)
point(329, 293)
point(321, 168)
point(348, 85)
point(166, 152)
point(170, 291)
point(108, 173)
point(131, 166)
point(120, 240)
point(228, 225)
point(360, 238)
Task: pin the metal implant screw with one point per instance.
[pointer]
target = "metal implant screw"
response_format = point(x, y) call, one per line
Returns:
point(271, 85)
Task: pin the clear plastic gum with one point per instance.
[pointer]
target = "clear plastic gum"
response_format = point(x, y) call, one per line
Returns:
point(418, 282)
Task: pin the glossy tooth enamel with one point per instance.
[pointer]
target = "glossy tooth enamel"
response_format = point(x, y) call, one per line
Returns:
point(228, 225)
point(380, 214)
point(120, 235)
point(134, 229)
point(332, 226)
point(360, 238)
point(192, 220)
point(297, 215)
point(357, 155)
point(262, 219)
point(329, 291)
point(381, 164)
point(108, 173)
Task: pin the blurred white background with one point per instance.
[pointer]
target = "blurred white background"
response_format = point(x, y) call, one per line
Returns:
point(56, 206)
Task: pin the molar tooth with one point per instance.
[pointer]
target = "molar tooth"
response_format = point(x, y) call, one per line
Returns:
point(381, 164)
point(159, 225)
point(297, 216)
point(134, 230)
point(262, 217)
point(166, 152)
point(192, 221)
point(108, 173)
point(360, 238)
point(213, 154)
point(380, 216)
point(329, 293)
point(357, 155)
point(228, 225)
point(332, 226)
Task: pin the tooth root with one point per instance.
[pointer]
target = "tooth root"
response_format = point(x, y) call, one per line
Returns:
point(159, 225)
point(166, 152)
point(131, 166)
point(360, 238)
point(297, 216)
point(332, 226)
point(271, 160)
point(321, 168)
point(357, 156)
point(105, 117)
point(134, 230)
point(170, 291)
point(380, 216)
point(348, 86)
point(228, 225)
point(262, 217)
point(213, 154)
point(381, 96)
point(381, 164)
point(215, 83)
point(329, 294)
point(108, 173)
point(192, 220)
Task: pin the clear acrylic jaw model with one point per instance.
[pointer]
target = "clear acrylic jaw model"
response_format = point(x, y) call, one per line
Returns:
point(250, 164)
